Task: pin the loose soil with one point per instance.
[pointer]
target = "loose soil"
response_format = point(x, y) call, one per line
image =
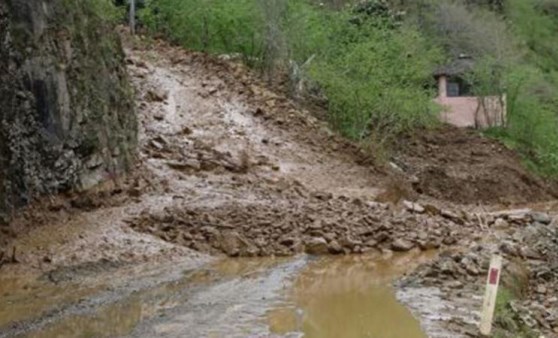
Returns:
point(229, 167)
point(463, 166)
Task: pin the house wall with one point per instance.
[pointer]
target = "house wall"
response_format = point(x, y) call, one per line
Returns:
point(470, 111)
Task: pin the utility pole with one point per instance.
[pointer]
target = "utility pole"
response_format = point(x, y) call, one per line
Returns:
point(133, 17)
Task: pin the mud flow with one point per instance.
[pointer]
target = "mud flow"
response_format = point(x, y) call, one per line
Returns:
point(289, 297)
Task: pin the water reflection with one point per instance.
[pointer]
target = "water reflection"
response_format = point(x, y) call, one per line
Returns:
point(349, 297)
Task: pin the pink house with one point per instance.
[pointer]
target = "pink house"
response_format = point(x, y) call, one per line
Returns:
point(462, 109)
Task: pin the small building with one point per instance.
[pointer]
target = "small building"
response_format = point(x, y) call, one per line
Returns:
point(460, 107)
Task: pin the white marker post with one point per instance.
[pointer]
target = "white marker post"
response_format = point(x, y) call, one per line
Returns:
point(133, 16)
point(490, 295)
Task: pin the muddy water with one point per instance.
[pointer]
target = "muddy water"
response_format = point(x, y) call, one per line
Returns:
point(348, 297)
point(22, 297)
point(294, 297)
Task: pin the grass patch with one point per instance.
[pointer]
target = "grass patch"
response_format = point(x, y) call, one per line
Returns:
point(506, 323)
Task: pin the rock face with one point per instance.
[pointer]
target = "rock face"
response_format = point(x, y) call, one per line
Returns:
point(66, 109)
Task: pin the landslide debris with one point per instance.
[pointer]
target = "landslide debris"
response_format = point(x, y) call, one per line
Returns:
point(250, 174)
point(296, 221)
point(463, 166)
point(528, 241)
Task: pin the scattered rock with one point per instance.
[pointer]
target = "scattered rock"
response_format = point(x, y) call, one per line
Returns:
point(401, 245)
point(541, 217)
point(500, 223)
point(316, 246)
point(432, 209)
point(414, 207)
point(335, 248)
point(231, 243)
point(187, 164)
point(452, 216)
point(157, 95)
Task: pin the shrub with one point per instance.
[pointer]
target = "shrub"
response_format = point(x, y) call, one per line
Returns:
point(532, 119)
point(210, 26)
point(377, 89)
point(107, 10)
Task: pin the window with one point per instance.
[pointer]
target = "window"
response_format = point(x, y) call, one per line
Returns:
point(453, 89)
point(457, 86)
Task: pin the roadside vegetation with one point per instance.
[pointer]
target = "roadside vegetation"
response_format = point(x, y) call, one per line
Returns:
point(506, 320)
point(371, 62)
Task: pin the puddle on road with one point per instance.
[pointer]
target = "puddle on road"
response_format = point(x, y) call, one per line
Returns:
point(293, 297)
point(23, 298)
point(349, 297)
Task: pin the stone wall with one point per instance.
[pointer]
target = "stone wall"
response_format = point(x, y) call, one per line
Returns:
point(67, 117)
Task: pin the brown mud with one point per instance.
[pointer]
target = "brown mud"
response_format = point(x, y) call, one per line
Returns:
point(462, 166)
point(226, 166)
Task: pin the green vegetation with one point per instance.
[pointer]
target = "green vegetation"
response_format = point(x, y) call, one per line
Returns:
point(107, 10)
point(507, 324)
point(374, 64)
point(377, 89)
point(533, 121)
point(211, 26)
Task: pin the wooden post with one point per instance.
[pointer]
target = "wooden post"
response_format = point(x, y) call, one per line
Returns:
point(133, 17)
point(489, 303)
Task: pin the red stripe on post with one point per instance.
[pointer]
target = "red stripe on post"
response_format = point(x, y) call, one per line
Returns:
point(493, 278)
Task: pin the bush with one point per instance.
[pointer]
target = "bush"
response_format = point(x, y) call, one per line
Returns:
point(107, 10)
point(532, 120)
point(377, 89)
point(210, 26)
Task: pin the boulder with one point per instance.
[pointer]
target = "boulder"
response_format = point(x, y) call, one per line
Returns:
point(157, 95)
point(432, 209)
point(500, 223)
point(401, 245)
point(541, 217)
point(316, 246)
point(414, 207)
point(349, 243)
point(335, 248)
point(231, 243)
